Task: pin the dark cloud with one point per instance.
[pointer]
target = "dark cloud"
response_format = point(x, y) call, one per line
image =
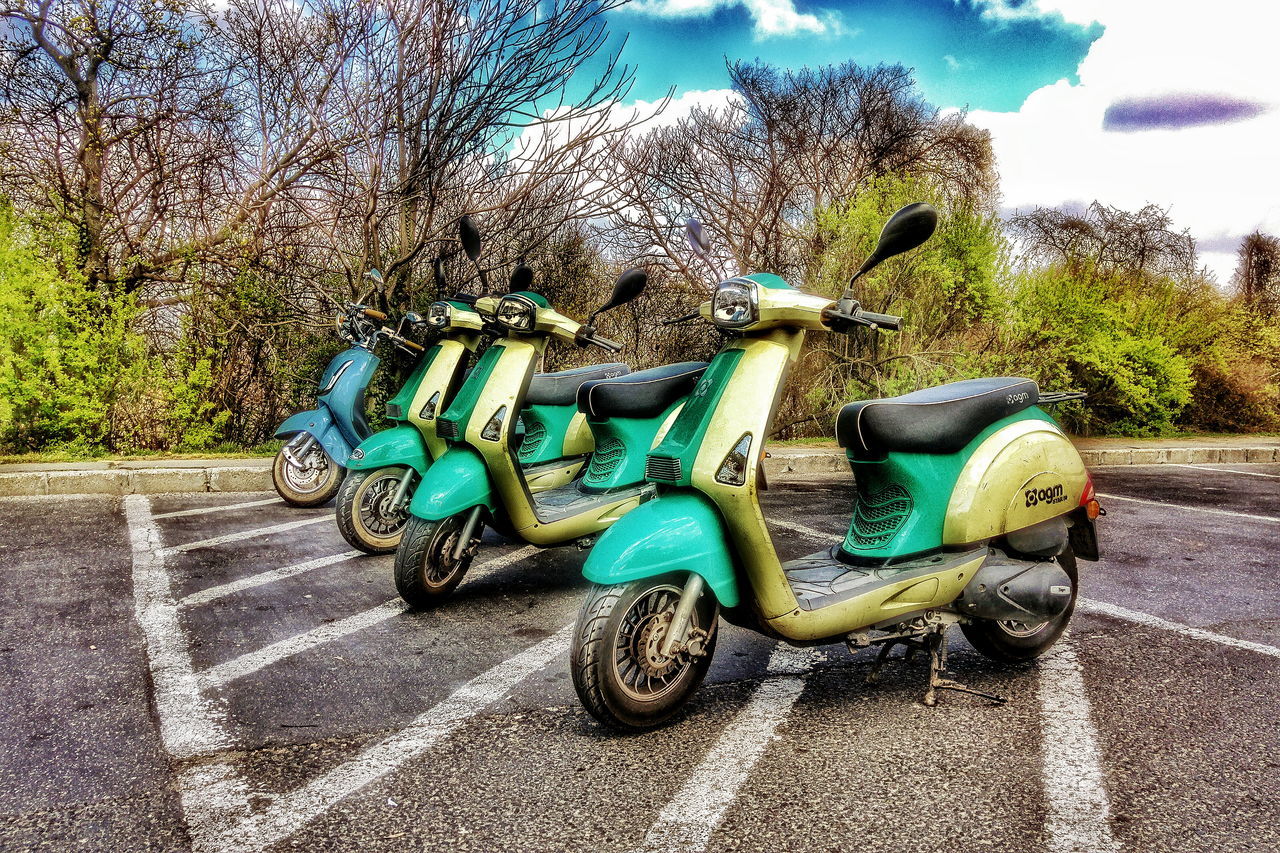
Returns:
point(1165, 112)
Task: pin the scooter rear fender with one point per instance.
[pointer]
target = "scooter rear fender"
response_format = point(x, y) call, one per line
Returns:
point(679, 531)
point(400, 445)
point(455, 482)
point(319, 424)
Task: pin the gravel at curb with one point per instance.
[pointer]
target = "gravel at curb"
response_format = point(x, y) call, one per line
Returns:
point(254, 475)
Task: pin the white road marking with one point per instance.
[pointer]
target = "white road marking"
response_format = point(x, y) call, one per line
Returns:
point(220, 508)
point(686, 823)
point(248, 534)
point(1269, 518)
point(291, 811)
point(806, 530)
point(204, 596)
point(1114, 610)
point(1079, 809)
point(212, 792)
point(250, 663)
point(1224, 470)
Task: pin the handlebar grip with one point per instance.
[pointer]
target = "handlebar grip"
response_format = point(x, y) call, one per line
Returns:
point(405, 342)
point(374, 315)
point(884, 321)
point(611, 346)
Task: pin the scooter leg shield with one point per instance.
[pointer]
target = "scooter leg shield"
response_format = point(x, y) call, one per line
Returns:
point(319, 423)
point(455, 482)
point(675, 532)
point(400, 445)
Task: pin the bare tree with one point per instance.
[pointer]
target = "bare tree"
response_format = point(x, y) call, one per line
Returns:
point(1114, 241)
point(1257, 276)
point(160, 130)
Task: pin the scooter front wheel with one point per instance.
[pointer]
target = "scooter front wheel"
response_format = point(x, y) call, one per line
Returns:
point(1014, 642)
point(426, 571)
point(310, 481)
point(618, 668)
point(366, 517)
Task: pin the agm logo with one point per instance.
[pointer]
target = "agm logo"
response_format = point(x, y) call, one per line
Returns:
point(1050, 495)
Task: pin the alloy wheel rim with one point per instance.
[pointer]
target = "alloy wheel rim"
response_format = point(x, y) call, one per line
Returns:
point(642, 673)
point(312, 477)
point(376, 514)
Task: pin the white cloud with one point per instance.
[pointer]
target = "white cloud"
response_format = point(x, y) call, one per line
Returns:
point(1220, 180)
point(771, 17)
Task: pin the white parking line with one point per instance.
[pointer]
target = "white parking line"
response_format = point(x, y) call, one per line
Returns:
point(248, 534)
point(253, 661)
point(1105, 609)
point(686, 823)
point(1079, 809)
point(1269, 518)
point(212, 792)
point(293, 810)
point(204, 596)
point(1224, 470)
point(220, 508)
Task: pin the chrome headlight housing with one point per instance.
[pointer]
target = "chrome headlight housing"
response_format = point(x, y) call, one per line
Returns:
point(438, 314)
point(736, 303)
point(517, 313)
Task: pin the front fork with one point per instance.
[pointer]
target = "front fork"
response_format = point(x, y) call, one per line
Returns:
point(299, 448)
point(401, 497)
point(678, 635)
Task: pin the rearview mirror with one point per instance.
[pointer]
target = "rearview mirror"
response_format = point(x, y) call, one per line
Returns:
point(698, 240)
point(469, 234)
point(905, 230)
point(375, 276)
point(628, 286)
point(413, 318)
point(521, 278)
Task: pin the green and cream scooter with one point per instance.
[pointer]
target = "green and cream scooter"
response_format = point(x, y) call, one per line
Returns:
point(972, 507)
point(480, 480)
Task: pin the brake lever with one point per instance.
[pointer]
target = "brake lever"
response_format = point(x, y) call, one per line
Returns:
point(685, 319)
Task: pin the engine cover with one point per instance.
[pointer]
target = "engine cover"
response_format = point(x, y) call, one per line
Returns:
point(1005, 589)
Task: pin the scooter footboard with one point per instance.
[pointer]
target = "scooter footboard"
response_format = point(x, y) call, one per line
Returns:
point(455, 482)
point(676, 532)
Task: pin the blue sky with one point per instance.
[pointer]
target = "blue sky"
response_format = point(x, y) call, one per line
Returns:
point(961, 57)
point(1128, 102)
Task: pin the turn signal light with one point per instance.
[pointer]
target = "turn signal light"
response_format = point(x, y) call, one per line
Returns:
point(1093, 509)
point(733, 470)
point(429, 410)
point(493, 429)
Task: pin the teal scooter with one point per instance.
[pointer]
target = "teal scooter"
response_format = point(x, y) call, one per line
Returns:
point(308, 469)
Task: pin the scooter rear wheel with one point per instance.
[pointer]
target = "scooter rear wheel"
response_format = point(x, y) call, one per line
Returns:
point(617, 667)
point(1015, 642)
point(365, 517)
point(425, 569)
point(314, 485)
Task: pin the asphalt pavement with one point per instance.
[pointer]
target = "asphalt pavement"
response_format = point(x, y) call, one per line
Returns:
point(219, 672)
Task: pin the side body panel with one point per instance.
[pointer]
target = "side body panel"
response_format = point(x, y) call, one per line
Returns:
point(435, 390)
point(680, 530)
point(553, 432)
point(398, 405)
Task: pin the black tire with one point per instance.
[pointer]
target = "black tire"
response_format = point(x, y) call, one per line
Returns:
point(1007, 644)
point(363, 516)
point(425, 572)
point(601, 679)
point(307, 488)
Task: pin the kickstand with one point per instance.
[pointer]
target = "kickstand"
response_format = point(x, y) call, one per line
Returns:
point(936, 643)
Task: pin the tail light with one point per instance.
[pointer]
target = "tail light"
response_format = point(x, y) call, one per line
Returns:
point(1089, 499)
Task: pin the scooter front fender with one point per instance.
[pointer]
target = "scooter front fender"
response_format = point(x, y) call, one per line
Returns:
point(319, 424)
point(679, 531)
point(400, 445)
point(455, 482)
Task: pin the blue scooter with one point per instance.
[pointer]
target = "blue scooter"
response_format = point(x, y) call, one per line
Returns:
point(309, 468)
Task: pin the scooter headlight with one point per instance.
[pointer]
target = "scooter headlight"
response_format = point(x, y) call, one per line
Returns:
point(735, 304)
point(438, 314)
point(517, 313)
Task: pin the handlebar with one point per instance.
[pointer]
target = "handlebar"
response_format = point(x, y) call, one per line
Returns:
point(846, 323)
point(374, 315)
point(883, 321)
point(605, 343)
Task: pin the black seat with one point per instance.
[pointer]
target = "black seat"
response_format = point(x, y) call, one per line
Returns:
point(643, 394)
point(942, 419)
point(561, 388)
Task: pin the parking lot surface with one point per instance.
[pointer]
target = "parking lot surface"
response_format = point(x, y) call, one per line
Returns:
point(220, 672)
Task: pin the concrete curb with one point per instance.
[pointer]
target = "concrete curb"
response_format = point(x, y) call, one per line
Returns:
point(254, 475)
